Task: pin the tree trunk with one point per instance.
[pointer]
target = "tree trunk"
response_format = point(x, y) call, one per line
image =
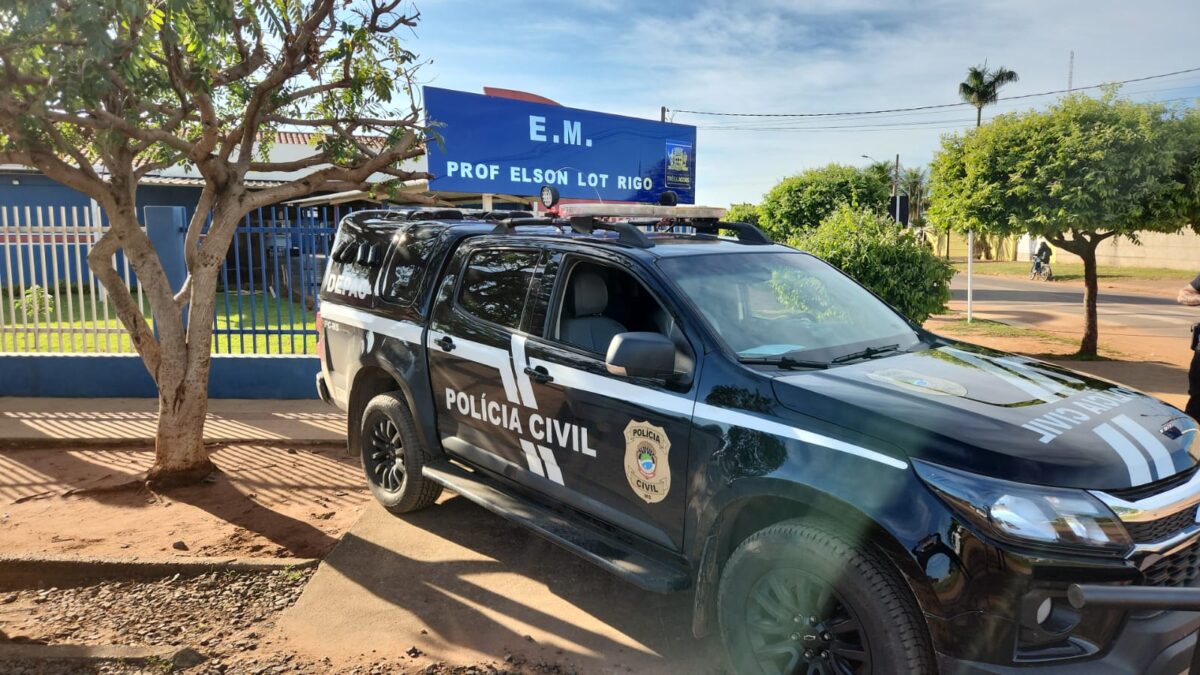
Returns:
point(175, 354)
point(179, 453)
point(1085, 247)
point(1091, 288)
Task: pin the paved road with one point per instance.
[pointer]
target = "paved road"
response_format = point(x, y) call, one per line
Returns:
point(1036, 303)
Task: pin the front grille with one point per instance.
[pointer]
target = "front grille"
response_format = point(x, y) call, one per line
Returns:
point(1157, 530)
point(1179, 569)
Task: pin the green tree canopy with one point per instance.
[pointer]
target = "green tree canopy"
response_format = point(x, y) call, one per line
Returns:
point(884, 257)
point(743, 213)
point(97, 94)
point(802, 201)
point(1081, 172)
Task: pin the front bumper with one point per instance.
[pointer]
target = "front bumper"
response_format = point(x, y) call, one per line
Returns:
point(1163, 644)
point(323, 389)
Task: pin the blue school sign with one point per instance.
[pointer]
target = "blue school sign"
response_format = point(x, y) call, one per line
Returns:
point(487, 144)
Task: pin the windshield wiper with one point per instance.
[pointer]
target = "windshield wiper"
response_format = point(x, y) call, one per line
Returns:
point(868, 353)
point(785, 362)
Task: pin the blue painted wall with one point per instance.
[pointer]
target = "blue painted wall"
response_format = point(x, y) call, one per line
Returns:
point(31, 189)
point(115, 376)
point(21, 190)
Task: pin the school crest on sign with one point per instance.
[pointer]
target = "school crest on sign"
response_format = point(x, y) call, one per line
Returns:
point(646, 465)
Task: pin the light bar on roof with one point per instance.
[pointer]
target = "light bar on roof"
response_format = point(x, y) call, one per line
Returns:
point(640, 211)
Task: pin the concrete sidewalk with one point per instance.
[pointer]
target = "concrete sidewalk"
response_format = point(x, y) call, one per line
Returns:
point(38, 421)
point(464, 586)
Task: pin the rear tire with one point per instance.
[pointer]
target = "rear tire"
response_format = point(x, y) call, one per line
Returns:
point(392, 457)
point(795, 598)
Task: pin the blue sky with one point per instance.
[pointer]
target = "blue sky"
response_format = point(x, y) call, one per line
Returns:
point(629, 57)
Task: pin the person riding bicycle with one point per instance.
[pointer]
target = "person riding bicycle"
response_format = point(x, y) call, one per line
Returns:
point(1041, 257)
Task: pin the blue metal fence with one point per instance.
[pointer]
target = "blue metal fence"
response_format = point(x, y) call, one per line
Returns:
point(271, 279)
point(267, 291)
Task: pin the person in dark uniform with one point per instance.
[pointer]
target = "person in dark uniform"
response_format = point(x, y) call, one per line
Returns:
point(1190, 295)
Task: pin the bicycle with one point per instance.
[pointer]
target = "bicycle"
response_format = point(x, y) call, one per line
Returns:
point(1041, 272)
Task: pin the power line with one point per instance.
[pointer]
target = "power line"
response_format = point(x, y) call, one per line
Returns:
point(936, 106)
point(887, 126)
point(774, 122)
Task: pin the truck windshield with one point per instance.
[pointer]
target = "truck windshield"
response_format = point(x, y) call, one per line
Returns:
point(767, 305)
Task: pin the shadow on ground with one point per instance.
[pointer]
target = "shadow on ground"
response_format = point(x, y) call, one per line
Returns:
point(256, 503)
point(1052, 294)
point(462, 584)
point(1155, 377)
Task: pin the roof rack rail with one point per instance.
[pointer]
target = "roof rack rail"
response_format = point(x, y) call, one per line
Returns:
point(505, 215)
point(627, 233)
point(436, 214)
point(746, 233)
point(627, 211)
point(509, 225)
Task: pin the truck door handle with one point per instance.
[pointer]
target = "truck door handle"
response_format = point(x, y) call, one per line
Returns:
point(445, 343)
point(538, 374)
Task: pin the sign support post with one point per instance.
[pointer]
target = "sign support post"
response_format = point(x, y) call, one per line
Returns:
point(970, 265)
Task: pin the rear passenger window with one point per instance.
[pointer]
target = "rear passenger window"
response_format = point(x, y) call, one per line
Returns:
point(404, 270)
point(494, 285)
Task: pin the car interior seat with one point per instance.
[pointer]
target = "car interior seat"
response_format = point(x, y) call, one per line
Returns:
point(587, 326)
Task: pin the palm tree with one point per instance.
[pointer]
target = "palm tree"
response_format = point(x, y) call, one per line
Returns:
point(982, 87)
point(914, 182)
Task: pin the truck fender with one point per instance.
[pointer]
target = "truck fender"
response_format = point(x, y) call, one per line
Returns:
point(750, 504)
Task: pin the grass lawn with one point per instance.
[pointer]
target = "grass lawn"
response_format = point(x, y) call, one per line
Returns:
point(1074, 271)
point(988, 328)
point(78, 318)
point(1063, 347)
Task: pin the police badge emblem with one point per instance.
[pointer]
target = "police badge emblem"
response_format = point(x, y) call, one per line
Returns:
point(646, 466)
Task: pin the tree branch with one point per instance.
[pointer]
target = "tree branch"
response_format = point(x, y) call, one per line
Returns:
point(318, 180)
point(195, 226)
point(293, 165)
point(100, 261)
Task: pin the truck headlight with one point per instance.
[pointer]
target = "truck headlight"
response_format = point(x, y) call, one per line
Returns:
point(1028, 514)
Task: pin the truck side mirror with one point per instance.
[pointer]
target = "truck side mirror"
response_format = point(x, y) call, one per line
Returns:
point(641, 355)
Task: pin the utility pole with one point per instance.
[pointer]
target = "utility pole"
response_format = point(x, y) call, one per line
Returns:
point(896, 187)
point(662, 114)
point(1071, 72)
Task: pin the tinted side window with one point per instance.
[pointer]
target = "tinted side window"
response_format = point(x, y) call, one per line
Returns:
point(406, 267)
point(494, 284)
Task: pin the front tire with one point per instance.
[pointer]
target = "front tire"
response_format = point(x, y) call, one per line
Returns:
point(795, 598)
point(392, 457)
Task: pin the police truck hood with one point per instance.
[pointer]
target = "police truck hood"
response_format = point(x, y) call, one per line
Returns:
point(1001, 415)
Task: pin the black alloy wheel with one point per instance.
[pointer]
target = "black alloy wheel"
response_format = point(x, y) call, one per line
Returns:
point(797, 624)
point(392, 456)
point(386, 463)
point(798, 598)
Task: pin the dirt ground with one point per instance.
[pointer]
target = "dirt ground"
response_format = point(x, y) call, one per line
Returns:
point(265, 501)
point(1147, 365)
point(227, 619)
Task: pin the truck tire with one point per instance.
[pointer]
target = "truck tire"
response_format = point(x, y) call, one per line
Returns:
point(392, 457)
point(795, 598)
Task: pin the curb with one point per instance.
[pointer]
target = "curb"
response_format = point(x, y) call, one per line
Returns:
point(179, 657)
point(19, 572)
point(147, 443)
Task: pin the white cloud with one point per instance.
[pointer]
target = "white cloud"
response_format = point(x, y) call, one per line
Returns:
point(779, 56)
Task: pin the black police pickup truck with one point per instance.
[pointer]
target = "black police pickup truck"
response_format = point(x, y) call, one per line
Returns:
point(690, 406)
